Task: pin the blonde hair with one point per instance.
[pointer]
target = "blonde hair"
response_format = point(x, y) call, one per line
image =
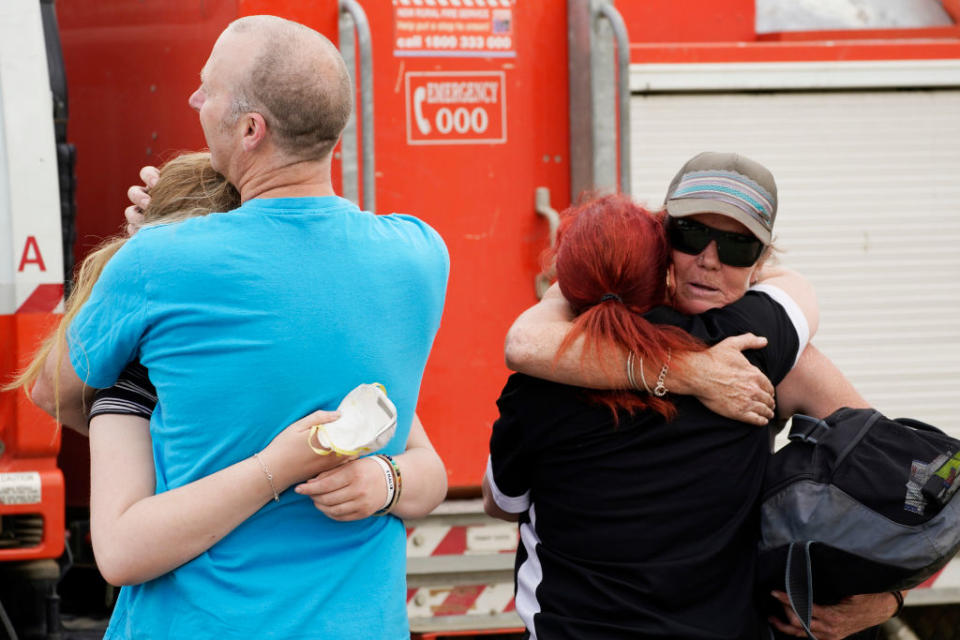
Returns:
point(188, 187)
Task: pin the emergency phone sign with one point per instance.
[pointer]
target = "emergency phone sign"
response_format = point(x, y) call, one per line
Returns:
point(456, 107)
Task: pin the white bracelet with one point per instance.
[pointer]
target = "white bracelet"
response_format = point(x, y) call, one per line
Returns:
point(388, 476)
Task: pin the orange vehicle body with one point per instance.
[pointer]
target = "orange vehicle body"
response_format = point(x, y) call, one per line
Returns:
point(33, 439)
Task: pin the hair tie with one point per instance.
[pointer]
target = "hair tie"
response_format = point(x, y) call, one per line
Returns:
point(611, 296)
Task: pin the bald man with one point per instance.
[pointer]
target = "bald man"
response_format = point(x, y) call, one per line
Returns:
point(247, 320)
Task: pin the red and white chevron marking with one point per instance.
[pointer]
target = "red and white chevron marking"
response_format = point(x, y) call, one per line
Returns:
point(431, 539)
point(493, 4)
point(460, 600)
point(45, 298)
point(31, 298)
point(440, 540)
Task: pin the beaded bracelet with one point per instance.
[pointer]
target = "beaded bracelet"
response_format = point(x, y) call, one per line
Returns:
point(398, 481)
point(397, 484)
point(388, 478)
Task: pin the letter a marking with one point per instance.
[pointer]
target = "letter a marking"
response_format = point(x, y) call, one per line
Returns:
point(26, 258)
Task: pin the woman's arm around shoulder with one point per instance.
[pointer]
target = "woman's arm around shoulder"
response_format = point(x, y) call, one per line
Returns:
point(720, 377)
point(139, 535)
point(535, 337)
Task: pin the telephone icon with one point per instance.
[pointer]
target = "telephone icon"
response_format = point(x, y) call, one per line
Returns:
point(419, 95)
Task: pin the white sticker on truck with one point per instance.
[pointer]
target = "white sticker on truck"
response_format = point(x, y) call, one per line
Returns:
point(20, 488)
point(492, 538)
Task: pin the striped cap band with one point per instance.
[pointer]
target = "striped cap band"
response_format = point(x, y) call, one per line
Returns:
point(730, 187)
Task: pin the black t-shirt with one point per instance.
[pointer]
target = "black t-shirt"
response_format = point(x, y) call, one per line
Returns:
point(647, 528)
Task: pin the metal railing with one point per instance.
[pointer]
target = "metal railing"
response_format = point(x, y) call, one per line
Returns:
point(353, 10)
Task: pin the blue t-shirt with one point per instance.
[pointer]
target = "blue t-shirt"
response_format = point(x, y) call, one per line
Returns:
point(247, 321)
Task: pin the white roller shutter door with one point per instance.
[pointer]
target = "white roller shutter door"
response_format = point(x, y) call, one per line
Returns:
point(869, 185)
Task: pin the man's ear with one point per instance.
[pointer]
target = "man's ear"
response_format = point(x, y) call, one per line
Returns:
point(254, 131)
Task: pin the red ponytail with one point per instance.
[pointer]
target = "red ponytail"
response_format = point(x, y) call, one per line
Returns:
point(611, 261)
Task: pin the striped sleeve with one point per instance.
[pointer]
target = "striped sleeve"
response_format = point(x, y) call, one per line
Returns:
point(133, 394)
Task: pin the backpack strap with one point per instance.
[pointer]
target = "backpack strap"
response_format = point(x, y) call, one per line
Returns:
point(872, 420)
point(799, 583)
point(807, 429)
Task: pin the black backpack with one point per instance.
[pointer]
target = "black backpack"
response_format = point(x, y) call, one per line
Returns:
point(857, 503)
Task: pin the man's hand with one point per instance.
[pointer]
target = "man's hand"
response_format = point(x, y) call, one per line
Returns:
point(725, 381)
point(840, 620)
point(139, 197)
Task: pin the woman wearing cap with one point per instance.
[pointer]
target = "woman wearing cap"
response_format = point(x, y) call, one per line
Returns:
point(636, 510)
point(721, 210)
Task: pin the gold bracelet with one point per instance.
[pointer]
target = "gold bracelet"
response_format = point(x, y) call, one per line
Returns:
point(661, 389)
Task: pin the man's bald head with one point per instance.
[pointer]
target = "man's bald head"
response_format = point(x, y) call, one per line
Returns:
point(297, 80)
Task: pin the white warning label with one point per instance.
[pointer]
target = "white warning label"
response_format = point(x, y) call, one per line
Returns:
point(492, 538)
point(20, 488)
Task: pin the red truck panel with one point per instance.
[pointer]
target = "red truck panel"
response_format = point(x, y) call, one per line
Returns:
point(480, 197)
point(131, 69)
point(31, 440)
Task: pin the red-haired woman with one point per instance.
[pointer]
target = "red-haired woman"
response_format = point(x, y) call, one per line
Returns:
point(637, 510)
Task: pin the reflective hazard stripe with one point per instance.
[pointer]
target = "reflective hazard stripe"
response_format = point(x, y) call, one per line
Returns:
point(460, 600)
point(487, 596)
point(441, 540)
point(44, 299)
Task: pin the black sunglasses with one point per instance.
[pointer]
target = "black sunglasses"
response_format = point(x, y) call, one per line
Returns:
point(733, 249)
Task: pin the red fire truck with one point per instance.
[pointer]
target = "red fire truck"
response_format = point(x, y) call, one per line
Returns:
point(485, 117)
